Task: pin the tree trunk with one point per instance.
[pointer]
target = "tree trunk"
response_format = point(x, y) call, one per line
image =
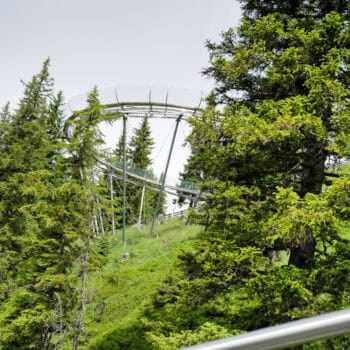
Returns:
point(313, 173)
point(79, 323)
point(302, 255)
point(58, 310)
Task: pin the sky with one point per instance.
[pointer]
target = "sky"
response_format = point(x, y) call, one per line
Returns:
point(110, 42)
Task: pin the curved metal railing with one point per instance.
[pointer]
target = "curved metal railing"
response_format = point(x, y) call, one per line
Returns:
point(285, 335)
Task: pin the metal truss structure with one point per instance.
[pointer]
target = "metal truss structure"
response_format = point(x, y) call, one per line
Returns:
point(153, 102)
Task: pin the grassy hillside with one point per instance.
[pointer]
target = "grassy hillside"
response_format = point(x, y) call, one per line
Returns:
point(119, 289)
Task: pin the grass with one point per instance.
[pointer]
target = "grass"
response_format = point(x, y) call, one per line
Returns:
point(118, 292)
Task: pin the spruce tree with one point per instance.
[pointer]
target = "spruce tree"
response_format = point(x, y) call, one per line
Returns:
point(119, 150)
point(138, 151)
point(39, 222)
point(140, 146)
point(84, 143)
point(275, 212)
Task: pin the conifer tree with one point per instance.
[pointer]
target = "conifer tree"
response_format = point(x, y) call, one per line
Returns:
point(119, 150)
point(138, 152)
point(140, 146)
point(85, 141)
point(39, 222)
point(275, 210)
point(140, 149)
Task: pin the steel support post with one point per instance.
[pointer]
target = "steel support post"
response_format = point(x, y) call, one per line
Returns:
point(164, 176)
point(112, 203)
point(141, 207)
point(124, 179)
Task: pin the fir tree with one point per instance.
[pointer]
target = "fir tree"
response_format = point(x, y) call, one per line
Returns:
point(275, 211)
point(140, 146)
point(84, 148)
point(138, 152)
point(39, 218)
point(119, 150)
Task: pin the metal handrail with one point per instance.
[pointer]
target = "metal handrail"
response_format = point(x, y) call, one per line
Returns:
point(145, 179)
point(289, 334)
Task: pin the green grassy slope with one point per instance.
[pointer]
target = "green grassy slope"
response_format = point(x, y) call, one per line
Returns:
point(119, 291)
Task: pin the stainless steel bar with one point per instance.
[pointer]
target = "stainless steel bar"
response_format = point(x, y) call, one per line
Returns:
point(112, 203)
point(289, 334)
point(124, 180)
point(196, 192)
point(153, 104)
point(150, 187)
point(141, 207)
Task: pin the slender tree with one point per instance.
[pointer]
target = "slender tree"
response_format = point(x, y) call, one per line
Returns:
point(139, 160)
point(140, 146)
point(85, 142)
point(119, 150)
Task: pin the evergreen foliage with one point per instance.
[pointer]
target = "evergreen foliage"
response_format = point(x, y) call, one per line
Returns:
point(48, 201)
point(275, 210)
point(140, 146)
point(85, 149)
point(138, 157)
point(40, 220)
point(119, 150)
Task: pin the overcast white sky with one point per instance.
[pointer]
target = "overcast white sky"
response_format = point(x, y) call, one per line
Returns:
point(109, 42)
